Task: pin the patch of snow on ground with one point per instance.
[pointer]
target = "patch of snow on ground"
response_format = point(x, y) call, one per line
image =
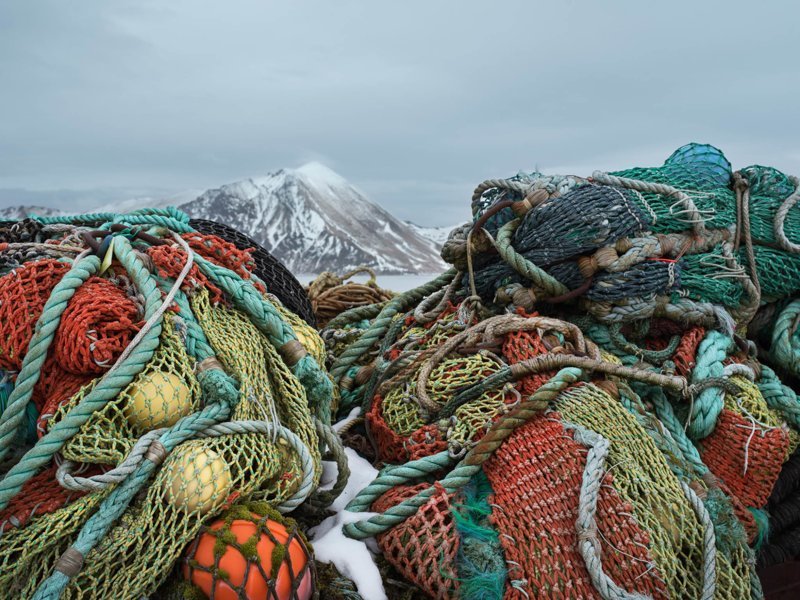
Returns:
point(353, 558)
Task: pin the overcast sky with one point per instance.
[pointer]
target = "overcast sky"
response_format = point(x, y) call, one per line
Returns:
point(414, 102)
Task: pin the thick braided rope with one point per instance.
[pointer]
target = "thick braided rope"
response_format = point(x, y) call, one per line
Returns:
point(502, 184)
point(548, 362)
point(540, 279)
point(782, 335)
point(106, 389)
point(780, 219)
point(279, 332)
point(268, 428)
point(586, 524)
point(328, 437)
point(707, 406)
point(709, 543)
point(474, 459)
point(70, 219)
point(779, 397)
point(381, 323)
point(356, 315)
point(662, 189)
point(114, 476)
point(112, 508)
point(395, 475)
point(43, 335)
point(169, 217)
point(667, 416)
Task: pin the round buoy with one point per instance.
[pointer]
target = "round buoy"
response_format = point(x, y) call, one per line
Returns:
point(240, 543)
point(159, 399)
point(200, 479)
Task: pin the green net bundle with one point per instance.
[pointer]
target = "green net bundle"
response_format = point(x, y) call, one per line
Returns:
point(151, 382)
point(596, 400)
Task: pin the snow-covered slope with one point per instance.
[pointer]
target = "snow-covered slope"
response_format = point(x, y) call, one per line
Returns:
point(310, 218)
point(437, 235)
point(313, 220)
point(14, 213)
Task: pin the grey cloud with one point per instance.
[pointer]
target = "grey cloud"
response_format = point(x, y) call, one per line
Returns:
point(414, 102)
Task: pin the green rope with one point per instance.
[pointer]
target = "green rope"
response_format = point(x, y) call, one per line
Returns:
point(540, 279)
point(356, 315)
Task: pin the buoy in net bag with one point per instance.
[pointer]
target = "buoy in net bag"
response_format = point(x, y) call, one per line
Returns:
point(247, 550)
point(156, 400)
point(200, 479)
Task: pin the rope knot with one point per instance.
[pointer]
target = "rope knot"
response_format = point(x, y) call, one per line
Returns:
point(70, 563)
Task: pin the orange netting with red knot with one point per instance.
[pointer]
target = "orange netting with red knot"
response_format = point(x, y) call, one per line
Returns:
point(170, 260)
point(524, 345)
point(424, 547)
point(536, 477)
point(23, 293)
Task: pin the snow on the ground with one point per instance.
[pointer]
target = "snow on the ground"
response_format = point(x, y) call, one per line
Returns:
point(353, 558)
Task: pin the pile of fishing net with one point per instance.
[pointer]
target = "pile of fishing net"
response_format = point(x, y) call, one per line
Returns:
point(331, 294)
point(162, 410)
point(597, 399)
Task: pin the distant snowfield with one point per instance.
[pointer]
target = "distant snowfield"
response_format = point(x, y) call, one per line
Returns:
point(395, 283)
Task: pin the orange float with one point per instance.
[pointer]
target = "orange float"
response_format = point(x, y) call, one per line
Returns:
point(249, 559)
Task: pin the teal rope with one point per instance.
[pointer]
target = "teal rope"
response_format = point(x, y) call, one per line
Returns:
point(713, 350)
point(117, 502)
point(43, 335)
point(784, 338)
point(371, 336)
point(356, 315)
point(70, 219)
point(108, 388)
point(779, 397)
point(31, 414)
point(395, 475)
point(473, 460)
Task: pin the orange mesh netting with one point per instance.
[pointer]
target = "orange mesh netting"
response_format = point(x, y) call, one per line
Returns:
point(536, 476)
point(40, 495)
point(394, 448)
point(424, 547)
point(745, 457)
point(97, 325)
point(523, 345)
point(223, 253)
point(23, 293)
point(55, 386)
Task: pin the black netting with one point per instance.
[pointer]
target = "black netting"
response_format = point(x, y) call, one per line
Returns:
point(278, 278)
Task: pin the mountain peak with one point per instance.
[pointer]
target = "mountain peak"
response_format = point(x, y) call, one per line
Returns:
point(314, 220)
point(319, 175)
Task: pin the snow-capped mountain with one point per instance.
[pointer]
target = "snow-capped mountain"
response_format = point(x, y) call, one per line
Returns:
point(437, 235)
point(15, 213)
point(313, 220)
point(310, 218)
